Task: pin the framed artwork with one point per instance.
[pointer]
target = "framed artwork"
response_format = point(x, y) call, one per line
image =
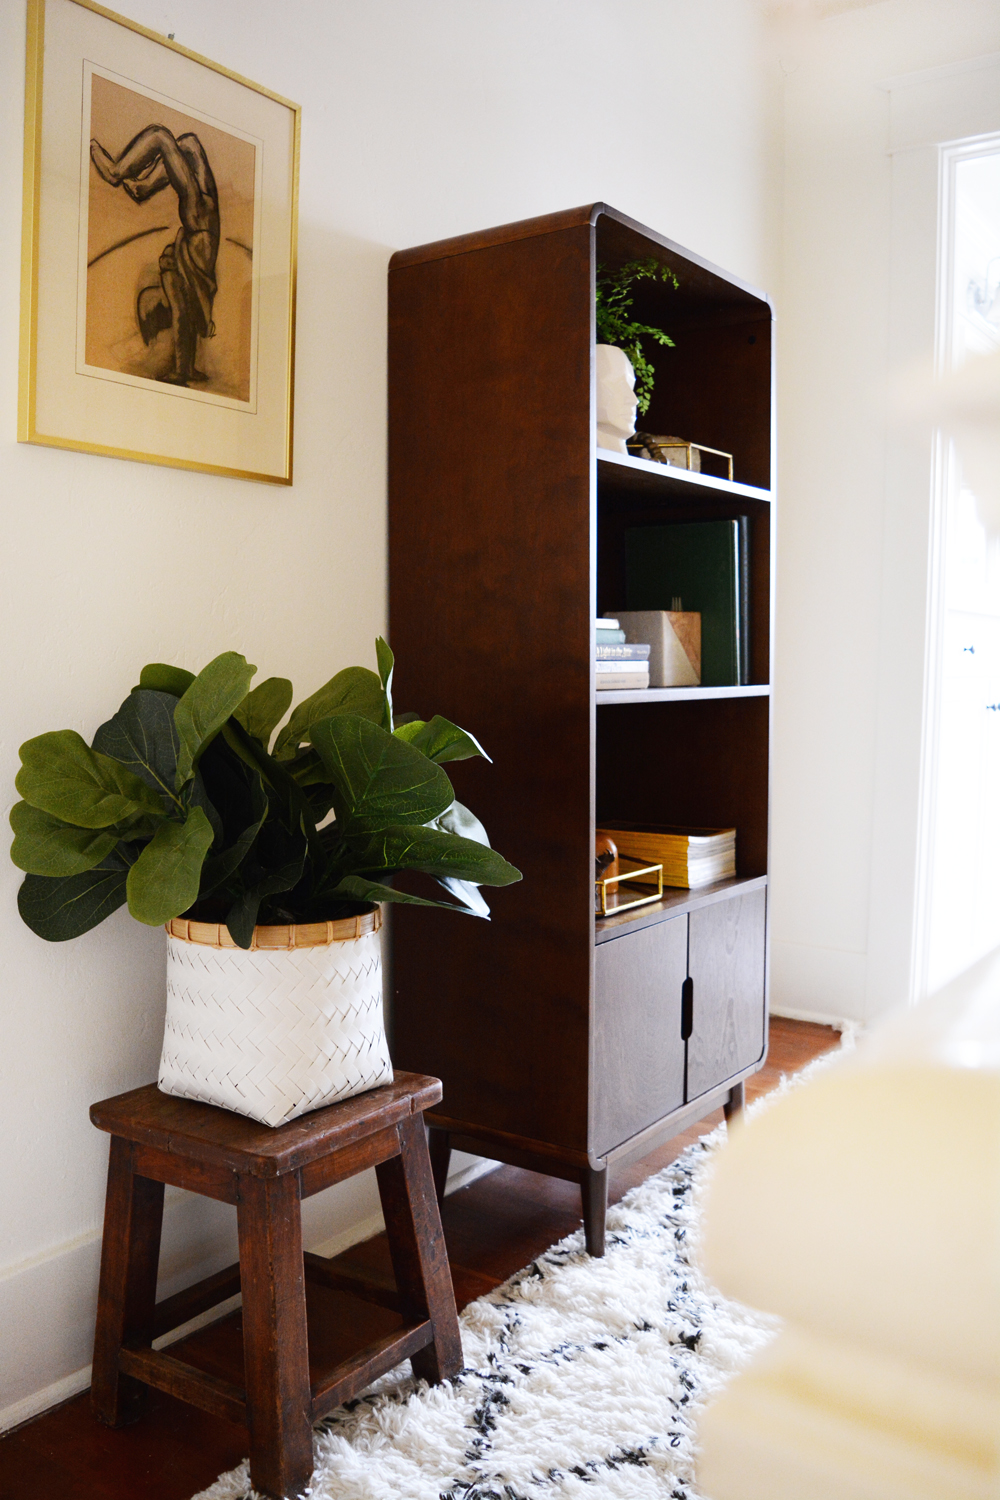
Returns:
point(158, 251)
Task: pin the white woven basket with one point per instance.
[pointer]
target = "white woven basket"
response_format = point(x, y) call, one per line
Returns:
point(291, 1024)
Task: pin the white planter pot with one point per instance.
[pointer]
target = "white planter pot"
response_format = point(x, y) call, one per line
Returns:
point(288, 1025)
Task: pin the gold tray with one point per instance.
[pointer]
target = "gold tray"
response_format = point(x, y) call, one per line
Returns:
point(607, 901)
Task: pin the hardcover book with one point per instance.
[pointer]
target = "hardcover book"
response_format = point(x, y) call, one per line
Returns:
point(701, 564)
point(633, 652)
point(613, 678)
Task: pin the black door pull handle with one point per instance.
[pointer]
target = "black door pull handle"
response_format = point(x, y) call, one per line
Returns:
point(687, 1008)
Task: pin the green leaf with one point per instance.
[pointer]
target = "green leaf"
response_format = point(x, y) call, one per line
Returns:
point(307, 769)
point(434, 853)
point(357, 889)
point(616, 325)
point(197, 796)
point(264, 708)
point(44, 845)
point(165, 878)
point(163, 679)
point(468, 894)
point(355, 690)
point(288, 795)
point(386, 661)
point(142, 736)
point(62, 775)
point(458, 819)
point(440, 740)
point(378, 778)
point(65, 908)
point(217, 870)
point(212, 697)
point(242, 916)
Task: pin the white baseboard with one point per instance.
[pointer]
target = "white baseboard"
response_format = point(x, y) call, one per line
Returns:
point(53, 1395)
point(465, 1169)
point(823, 985)
point(71, 1385)
point(48, 1304)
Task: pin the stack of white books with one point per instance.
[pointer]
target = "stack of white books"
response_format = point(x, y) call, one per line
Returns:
point(620, 664)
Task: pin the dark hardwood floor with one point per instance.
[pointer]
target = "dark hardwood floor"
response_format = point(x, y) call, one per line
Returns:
point(493, 1228)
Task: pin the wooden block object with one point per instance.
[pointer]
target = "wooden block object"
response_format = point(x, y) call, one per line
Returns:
point(157, 1139)
point(674, 639)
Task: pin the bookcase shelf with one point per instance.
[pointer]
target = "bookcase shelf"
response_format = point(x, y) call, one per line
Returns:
point(675, 903)
point(678, 695)
point(638, 476)
point(562, 1042)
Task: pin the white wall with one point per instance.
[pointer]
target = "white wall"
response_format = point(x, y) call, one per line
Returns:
point(852, 549)
point(419, 121)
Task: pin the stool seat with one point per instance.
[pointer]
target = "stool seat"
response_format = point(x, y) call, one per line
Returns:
point(218, 1138)
point(156, 1140)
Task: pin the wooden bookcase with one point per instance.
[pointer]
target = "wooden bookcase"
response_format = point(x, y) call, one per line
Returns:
point(560, 1040)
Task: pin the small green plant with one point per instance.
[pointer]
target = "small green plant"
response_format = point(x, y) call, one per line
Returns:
point(615, 324)
point(179, 806)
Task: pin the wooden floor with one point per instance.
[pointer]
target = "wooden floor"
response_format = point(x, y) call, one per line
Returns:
point(493, 1228)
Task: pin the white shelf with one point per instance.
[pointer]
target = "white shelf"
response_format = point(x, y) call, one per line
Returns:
point(624, 470)
point(679, 695)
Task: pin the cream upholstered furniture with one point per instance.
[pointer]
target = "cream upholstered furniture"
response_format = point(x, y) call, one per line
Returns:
point(864, 1208)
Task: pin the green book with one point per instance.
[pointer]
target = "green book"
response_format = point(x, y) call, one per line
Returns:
point(698, 563)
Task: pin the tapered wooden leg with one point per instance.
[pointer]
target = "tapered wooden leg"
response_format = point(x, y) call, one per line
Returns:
point(130, 1253)
point(439, 1142)
point(735, 1103)
point(419, 1257)
point(594, 1192)
point(275, 1340)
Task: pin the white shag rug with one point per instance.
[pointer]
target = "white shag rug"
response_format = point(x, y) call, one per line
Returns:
point(582, 1377)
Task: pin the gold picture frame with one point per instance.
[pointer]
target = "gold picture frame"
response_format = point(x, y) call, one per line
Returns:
point(157, 274)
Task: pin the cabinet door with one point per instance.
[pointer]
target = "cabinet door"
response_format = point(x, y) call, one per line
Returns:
point(638, 1071)
point(726, 963)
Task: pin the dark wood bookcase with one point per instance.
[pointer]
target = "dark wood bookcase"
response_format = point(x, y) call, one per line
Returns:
point(567, 1044)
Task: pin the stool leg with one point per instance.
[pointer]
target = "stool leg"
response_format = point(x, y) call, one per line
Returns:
point(439, 1143)
point(275, 1339)
point(130, 1253)
point(419, 1257)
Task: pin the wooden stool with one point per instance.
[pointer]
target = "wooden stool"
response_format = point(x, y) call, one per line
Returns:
point(157, 1139)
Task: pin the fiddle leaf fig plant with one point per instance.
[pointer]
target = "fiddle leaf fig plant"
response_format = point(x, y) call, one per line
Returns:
point(616, 325)
point(183, 806)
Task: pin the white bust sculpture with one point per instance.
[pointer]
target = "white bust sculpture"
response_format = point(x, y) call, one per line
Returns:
point(616, 398)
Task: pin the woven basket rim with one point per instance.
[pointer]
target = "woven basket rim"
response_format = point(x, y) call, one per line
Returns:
point(293, 935)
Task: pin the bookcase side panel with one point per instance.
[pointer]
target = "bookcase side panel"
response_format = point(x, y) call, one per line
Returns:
point(490, 525)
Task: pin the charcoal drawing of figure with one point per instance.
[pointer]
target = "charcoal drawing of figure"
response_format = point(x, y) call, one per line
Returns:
point(151, 162)
point(169, 246)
